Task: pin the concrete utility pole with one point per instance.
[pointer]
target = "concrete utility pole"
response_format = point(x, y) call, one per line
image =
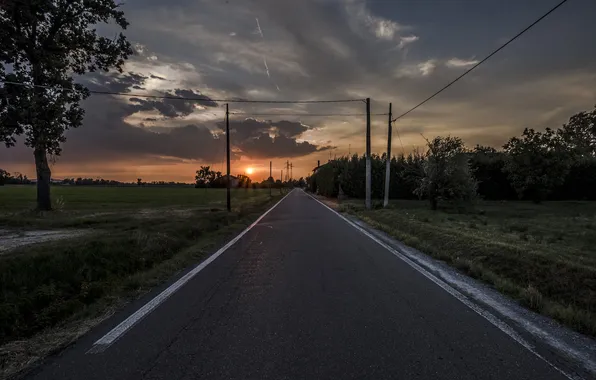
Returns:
point(228, 197)
point(388, 163)
point(368, 201)
point(287, 171)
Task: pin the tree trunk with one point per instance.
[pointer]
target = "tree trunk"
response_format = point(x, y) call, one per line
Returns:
point(432, 196)
point(433, 203)
point(43, 180)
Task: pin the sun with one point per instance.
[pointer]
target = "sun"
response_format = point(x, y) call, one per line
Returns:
point(250, 171)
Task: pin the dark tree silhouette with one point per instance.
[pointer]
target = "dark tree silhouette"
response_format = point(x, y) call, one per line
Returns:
point(44, 43)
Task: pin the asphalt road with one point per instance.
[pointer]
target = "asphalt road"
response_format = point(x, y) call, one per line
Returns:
point(304, 295)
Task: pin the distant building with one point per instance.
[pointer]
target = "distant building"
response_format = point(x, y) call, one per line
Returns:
point(53, 181)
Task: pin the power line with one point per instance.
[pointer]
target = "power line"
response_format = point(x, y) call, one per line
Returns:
point(484, 60)
point(305, 114)
point(403, 151)
point(174, 97)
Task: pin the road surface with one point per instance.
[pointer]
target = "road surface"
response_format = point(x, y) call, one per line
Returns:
point(304, 295)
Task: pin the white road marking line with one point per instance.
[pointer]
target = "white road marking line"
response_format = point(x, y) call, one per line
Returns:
point(494, 320)
point(104, 342)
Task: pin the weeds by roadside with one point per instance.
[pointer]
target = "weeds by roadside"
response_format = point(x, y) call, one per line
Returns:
point(48, 291)
point(541, 255)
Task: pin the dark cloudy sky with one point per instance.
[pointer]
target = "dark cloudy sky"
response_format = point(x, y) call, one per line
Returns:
point(396, 51)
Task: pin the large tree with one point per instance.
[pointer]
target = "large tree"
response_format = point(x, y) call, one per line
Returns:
point(447, 174)
point(536, 162)
point(44, 44)
point(579, 134)
point(4, 176)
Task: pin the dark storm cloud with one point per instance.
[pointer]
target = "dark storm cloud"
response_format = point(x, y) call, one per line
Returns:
point(106, 137)
point(157, 77)
point(113, 81)
point(269, 139)
point(290, 128)
point(265, 146)
point(174, 106)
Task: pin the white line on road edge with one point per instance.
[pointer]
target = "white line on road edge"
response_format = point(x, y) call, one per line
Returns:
point(501, 325)
point(104, 342)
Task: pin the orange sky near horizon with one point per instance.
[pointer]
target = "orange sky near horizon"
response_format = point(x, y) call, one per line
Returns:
point(200, 52)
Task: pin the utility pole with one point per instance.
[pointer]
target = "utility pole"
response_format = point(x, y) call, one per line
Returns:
point(270, 176)
point(291, 171)
point(368, 201)
point(281, 177)
point(287, 171)
point(388, 163)
point(228, 198)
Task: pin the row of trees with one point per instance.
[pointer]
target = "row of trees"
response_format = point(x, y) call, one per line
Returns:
point(554, 164)
point(17, 178)
point(207, 178)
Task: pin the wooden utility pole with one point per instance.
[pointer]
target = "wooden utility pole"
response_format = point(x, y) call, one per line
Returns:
point(270, 176)
point(368, 201)
point(229, 201)
point(388, 163)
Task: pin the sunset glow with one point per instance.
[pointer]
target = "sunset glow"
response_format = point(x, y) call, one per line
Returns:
point(369, 50)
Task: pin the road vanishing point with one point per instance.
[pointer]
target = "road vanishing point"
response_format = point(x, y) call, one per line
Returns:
point(301, 294)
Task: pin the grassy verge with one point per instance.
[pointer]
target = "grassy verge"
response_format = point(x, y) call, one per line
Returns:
point(51, 293)
point(544, 256)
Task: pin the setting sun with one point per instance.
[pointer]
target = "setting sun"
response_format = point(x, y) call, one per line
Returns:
point(250, 171)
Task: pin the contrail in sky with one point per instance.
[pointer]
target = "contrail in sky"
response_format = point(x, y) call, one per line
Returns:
point(266, 67)
point(259, 28)
point(265, 59)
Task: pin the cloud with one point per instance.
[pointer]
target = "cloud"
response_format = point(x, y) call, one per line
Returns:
point(405, 41)
point(269, 139)
point(105, 138)
point(382, 28)
point(266, 146)
point(175, 105)
point(457, 63)
point(426, 68)
point(157, 77)
point(113, 81)
point(290, 128)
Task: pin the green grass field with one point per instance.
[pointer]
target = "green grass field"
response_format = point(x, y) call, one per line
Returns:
point(131, 240)
point(542, 255)
point(21, 198)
